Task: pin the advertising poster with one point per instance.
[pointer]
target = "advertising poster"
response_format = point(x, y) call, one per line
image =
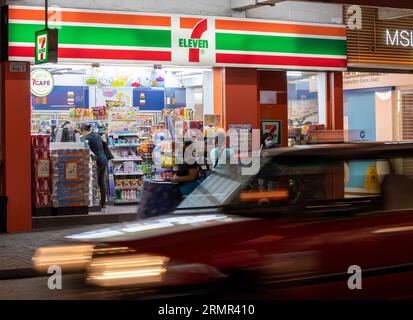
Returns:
point(212, 120)
point(43, 168)
point(71, 171)
point(123, 95)
point(62, 98)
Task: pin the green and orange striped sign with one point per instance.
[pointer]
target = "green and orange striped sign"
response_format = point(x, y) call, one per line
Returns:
point(122, 37)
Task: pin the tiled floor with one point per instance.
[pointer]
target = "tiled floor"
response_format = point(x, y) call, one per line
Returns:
point(16, 249)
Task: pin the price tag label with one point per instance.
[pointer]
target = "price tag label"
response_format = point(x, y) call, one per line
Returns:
point(43, 168)
point(71, 171)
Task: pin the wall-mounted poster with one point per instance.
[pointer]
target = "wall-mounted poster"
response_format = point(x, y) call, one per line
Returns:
point(62, 98)
point(212, 120)
point(268, 97)
point(123, 95)
point(175, 98)
point(149, 99)
point(235, 129)
point(272, 127)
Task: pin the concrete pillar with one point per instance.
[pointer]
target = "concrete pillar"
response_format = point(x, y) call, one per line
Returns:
point(16, 144)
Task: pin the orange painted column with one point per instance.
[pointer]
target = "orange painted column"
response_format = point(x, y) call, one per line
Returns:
point(335, 121)
point(218, 79)
point(16, 147)
point(335, 101)
point(338, 101)
point(275, 81)
point(240, 97)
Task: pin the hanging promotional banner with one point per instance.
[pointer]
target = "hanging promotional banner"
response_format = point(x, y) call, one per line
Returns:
point(119, 37)
point(41, 82)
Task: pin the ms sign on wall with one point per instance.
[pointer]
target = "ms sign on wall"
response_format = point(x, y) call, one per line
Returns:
point(193, 41)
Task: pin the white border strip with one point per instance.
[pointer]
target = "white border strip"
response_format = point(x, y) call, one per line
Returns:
point(86, 24)
point(276, 54)
point(102, 47)
point(279, 34)
point(108, 47)
point(168, 63)
point(279, 67)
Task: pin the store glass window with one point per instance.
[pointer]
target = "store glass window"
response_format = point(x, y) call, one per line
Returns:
point(306, 98)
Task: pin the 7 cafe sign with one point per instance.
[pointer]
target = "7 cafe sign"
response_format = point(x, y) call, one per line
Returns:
point(41, 82)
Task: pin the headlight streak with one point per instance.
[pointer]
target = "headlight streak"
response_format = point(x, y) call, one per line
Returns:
point(136, 269)
point(69, 258)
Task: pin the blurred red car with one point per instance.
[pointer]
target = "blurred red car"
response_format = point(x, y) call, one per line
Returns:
point(319, 222)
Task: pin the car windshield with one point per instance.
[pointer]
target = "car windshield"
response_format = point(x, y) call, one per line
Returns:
point(294, 182)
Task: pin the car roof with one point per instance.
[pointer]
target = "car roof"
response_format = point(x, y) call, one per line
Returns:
point(364, 150)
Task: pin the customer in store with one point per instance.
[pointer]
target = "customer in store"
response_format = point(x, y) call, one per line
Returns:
point(268, 139)
point(66, 133)
point(188, 174)
point(220, 155)
point(96, 145)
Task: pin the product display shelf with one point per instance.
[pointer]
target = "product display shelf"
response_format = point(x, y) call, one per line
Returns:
point(136, 173)
point(128, 134)
point(126, 145)
point(126, 188)
point(125, 173)
point(94, 192)
point(120, 159)
point(70, 178)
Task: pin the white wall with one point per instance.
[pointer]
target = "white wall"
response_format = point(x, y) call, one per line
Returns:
point(69, 80)
point(208, 92)
point(201, 7)
point(299, 11)
point(288, 10)
point(384, 114)
point(190, 97)
point(322, 97)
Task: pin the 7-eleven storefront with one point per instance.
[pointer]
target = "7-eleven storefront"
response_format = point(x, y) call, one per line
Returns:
point(256, 70)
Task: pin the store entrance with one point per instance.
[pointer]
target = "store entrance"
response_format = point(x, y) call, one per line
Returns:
point(125, 106)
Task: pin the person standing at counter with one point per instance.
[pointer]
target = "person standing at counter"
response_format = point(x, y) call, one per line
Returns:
point(97, 147)
point(187, 175)
point(221, 156)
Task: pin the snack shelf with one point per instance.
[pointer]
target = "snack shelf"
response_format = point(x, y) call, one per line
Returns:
point(127, 159)
point(125, 145)
point(140, 173)
point(129, 188)
point(123, 134)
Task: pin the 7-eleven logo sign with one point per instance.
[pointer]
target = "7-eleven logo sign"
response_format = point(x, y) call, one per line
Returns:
point(193, 41)
point(41, 52)
point(42, 47)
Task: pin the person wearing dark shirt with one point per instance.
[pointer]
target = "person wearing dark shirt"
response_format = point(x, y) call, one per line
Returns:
point(187, 175)
point(95, 143)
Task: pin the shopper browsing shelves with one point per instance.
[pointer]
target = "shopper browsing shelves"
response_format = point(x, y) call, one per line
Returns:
point(97, 147)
